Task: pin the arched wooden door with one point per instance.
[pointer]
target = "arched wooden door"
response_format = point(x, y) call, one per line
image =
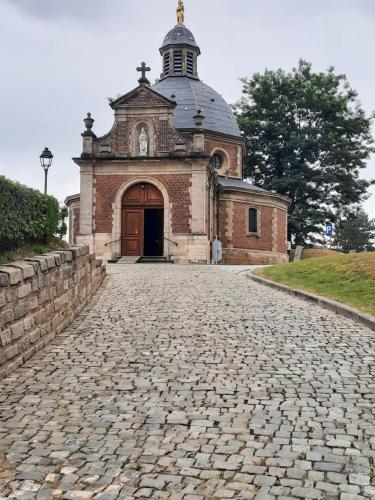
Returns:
point(142, 225)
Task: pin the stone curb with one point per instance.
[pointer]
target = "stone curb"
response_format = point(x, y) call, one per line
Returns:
point(331, 305)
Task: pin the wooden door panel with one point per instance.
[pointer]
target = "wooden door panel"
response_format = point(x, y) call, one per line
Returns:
point(135, 196)
point(132, 222)
point(132, 232)
point(132, 246)
point(143, 194)
point(153, 196)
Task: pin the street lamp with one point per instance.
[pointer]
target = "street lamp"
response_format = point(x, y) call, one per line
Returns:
point(46, 161)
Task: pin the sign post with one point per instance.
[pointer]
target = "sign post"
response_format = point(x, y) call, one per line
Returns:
point(329, 233)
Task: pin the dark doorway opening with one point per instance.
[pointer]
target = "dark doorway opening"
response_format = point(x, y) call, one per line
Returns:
point(153, 232)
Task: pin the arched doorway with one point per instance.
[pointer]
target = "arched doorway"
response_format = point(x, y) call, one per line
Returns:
point(142, 222)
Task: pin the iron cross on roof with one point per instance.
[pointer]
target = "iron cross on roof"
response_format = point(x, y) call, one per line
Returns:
point(143, 69)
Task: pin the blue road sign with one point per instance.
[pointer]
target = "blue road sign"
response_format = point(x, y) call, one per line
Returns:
point(329, 230)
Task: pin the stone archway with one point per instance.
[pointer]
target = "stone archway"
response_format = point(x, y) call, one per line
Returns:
point(117, 212)
point(142, 221)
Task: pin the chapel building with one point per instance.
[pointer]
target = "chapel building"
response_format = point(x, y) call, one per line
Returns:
point(167, 180)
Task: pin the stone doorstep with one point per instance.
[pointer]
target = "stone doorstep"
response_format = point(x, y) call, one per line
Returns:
point(331, 305)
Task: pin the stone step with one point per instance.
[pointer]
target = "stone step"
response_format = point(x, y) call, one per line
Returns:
point(128, 259)
point(154, 260)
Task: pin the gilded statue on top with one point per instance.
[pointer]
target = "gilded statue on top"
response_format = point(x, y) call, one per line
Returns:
point(180, 12)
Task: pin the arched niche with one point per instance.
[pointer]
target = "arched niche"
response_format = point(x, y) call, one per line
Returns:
point(136, 131)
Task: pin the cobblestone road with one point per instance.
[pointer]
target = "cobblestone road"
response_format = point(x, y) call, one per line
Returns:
point(193, 383)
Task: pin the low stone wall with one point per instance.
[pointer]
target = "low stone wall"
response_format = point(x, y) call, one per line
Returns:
point(239, 256)
point(190, 249)
point(39, 297)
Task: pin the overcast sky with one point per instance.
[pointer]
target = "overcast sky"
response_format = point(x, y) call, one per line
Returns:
point(63, 58)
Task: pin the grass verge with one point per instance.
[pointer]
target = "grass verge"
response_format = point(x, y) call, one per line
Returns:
point(349, 279)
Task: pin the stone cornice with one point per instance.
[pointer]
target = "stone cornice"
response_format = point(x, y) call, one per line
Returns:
point(242, 196)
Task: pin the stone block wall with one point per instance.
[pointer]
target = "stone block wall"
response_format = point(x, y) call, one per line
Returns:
point(191, 249)
point(39, 297)
point(241, 256)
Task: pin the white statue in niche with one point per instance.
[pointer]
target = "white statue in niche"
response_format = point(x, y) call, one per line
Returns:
point(143, 143)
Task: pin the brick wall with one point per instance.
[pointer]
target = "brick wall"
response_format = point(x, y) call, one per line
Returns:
point(120, 140)
point(40, 297)
point(243, 248)
point(178, 188)
point(233, 256)
point(240, 237)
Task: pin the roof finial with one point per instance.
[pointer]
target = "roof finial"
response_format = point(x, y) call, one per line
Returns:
point(180, 12)
point(144, 69)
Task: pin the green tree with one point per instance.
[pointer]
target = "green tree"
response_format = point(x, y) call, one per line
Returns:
point(62, 227)
point(355, 231)
point(308, 138)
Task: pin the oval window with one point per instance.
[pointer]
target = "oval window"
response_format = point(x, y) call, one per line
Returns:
point(216, 161)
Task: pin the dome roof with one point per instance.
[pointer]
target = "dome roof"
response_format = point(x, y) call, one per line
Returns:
point(179, 35)
point(191, 95)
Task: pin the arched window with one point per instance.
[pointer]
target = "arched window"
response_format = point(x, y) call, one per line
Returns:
point(253, 220)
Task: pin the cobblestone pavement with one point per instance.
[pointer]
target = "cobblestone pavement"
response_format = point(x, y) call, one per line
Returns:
point(189, 383)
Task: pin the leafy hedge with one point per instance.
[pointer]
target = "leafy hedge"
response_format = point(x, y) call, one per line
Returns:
point(26, 215)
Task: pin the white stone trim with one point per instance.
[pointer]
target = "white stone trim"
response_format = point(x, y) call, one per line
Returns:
point(86, 203)
point(274, 230)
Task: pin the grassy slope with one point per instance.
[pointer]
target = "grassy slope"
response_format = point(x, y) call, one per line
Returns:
point(312, 253)
point(349, 279)
point(30, 251)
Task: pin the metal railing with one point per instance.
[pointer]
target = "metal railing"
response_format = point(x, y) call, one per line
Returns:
point(111, 242)
point(171, 241)
point(116, 241)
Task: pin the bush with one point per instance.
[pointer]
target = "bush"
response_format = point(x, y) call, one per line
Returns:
point(26, 215)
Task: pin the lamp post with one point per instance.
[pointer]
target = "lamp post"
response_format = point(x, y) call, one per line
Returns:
point(46, 161)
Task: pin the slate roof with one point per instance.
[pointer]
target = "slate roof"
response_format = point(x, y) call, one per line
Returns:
point(236, 183)
point(179, 35)
point(191, 95)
